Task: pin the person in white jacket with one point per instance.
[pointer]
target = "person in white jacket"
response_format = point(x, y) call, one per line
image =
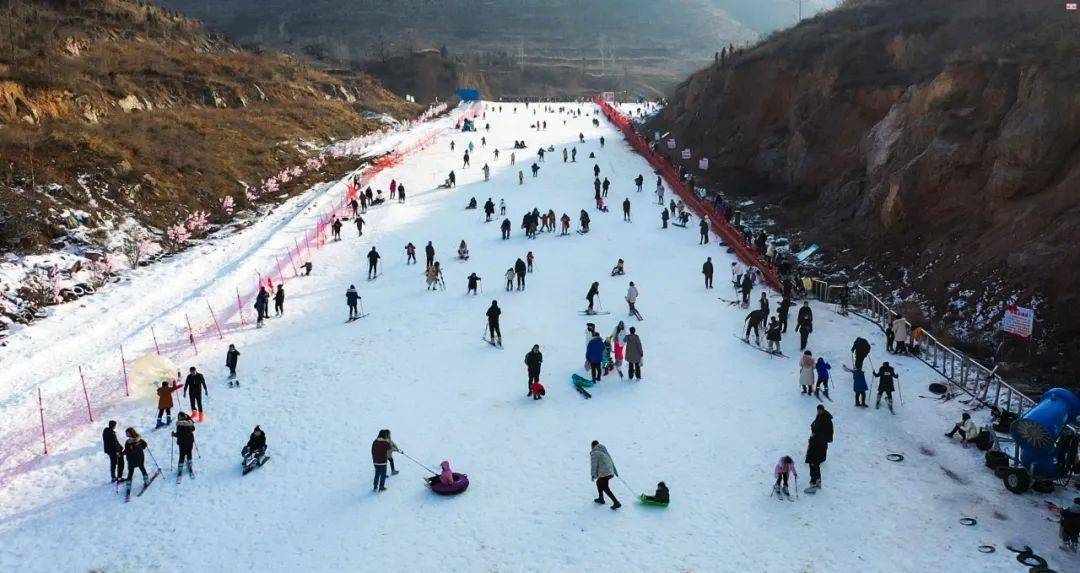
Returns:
point(901, 331)
point(603, 469)
point(966, 428)
point(737, 271)
point(631, 298)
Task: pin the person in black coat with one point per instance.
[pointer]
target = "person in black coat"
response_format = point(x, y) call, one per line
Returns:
point(133, 455)
point(279, 301)
point(473, 282)
point(505, 228)
point(373, 257)
point(429, 252)
point(763, 302)
point(861, 349)
point(195, 385)
point(886, 385)
point(822, 424)
point(520, 270)
point(804, 324)
point(185, 440)
point(256, 445)
point(704, 227)
point(115, 450)
point(533, 360)
point(231, 359)
point(707, 270)
point(782, 312)
point(746, 287)
point(493, 313)
point(816, 451)
point(351, 298)
point(590, 296)
point(262, 304)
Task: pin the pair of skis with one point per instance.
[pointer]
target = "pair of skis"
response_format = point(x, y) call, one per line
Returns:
point(356, 318)
point(127, 491)
point(493, 343)
point(180, 472)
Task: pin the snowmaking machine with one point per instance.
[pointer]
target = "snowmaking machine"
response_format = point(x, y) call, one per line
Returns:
point(1046, 445)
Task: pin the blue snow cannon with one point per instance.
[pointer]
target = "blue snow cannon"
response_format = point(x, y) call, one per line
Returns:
point(1047, 450)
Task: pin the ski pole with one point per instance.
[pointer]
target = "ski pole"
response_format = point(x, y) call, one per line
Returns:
point(361, 301)
point(418, 463)
point(196, 444)
point(156, 465)
point(796, 486)
point(172, 446)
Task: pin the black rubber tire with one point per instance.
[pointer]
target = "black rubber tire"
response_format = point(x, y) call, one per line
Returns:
point(895, 457)
point(987, 549)
point(1017, 481)
point(968, 521)
point(1031, 560)
point(1043, 486)
point(938, 388)
point(995, 460)
point(1001, 472)
point(984, 441)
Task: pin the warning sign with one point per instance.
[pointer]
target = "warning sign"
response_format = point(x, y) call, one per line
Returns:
point(686, 153)
point(703, 164)
point(1019, 321)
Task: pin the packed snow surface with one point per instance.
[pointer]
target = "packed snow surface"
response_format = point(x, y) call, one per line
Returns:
point(710, 418)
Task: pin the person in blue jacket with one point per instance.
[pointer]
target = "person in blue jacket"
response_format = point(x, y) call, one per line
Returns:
point(859, 382)
point(594, 355)
point(822, 368)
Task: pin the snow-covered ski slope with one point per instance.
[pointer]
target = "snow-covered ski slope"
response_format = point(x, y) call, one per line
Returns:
point(710, 418)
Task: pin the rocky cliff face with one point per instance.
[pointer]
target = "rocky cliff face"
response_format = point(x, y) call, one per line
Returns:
point(938, 140)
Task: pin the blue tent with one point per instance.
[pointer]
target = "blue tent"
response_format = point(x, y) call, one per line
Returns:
point(469, 94)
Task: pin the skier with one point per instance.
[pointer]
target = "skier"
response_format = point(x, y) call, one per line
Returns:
point(603, 469)
point(639, 181)
point(782, 312)
point(822, 369)
point(336, 229)
point(134, 458)
point(429, 252)
point(463, 251)
point(533, 360)
point(773, 336)
point(806, 373)
point(704, 227)
point(360, 226)
point(520, 269)
point(804, 324)
point(594, 291)
point(631, 299)
point(594, 355)
point(858, 379)
point(626, 209)
point(114, 450)
point(380, 454)
point(966, 428)
point(473, 282)
point(262, 300)
point(861, 349)
point(707, 270)
point(433, 276)
point(351, 298)
point(510, 279)
point(505, 228)
point(619, 268)
point(373, 263)
point(255, 450)
point(754, 321)
point(185, 441)
point(535, 169)
point(307, 268)
point(410, 254)
point(737, 271)
point(886, 385)
point(165, 402)
point(565, 220)
point(664, 218)
point(596, 171)
point(785, 467)
point(279, 300)
point(584, 220)
point(196, 385)
point(633, 354)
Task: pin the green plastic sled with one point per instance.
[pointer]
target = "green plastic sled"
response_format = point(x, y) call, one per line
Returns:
point(644, 501)
point(582, 382)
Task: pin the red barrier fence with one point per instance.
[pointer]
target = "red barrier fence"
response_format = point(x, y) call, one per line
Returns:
point(68, 412)
point(747, 253)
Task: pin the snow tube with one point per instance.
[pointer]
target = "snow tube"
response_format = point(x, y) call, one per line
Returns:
point(460, 484)
point(938, 388)
point(645, 501)
point(582, 382)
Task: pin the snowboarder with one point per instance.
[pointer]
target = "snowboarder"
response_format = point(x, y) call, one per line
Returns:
point(410, 254)
point(433, 276)
point(185, 441)
point(861, 349)
point(806, 373)
point(707, 270)
point(594, 355)
point(782, 312)
point(754, 321)
point(619, 268)
point(784, 467)
point(886, 385)
point(804, 324)
point(704, 227)
point(429, 253)
point(520, 270)
point(505, 228)
point(473, 282)
point(594, 291)
point(114, 450)
point(373, 257)
point(351, 298)
point(634, 354)
point(360, 226)
point(165, 402)
point(279, 300)
point(134, 457)
point(626, 209)
point(533, 359)
point(631, 299)
point(822, 369)
point(493, 313)
point(336, 229)
point(603, 469)
point(196, 385)
point(380, 453)
point(858, 379)
point(966, 428)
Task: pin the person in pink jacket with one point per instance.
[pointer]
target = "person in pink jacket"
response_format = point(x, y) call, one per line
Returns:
point(447, 476)
point(785, 466)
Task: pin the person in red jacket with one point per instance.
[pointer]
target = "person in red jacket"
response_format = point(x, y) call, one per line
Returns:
point(165, 401)
point(380, 457)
